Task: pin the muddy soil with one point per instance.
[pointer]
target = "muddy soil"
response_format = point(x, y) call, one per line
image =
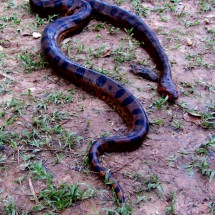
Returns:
point(44, 118)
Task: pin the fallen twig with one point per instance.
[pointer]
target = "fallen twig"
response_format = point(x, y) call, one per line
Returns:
point(33, 191)
point(18, 154)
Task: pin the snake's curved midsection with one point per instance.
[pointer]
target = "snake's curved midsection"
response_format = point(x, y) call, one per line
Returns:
point(101, 86)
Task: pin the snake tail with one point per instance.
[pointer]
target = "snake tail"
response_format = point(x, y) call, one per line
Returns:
point(99, 85)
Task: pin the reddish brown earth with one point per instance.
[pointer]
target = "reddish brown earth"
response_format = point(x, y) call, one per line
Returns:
point(174, 134)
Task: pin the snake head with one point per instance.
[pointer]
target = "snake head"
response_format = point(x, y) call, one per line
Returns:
point(167, 88)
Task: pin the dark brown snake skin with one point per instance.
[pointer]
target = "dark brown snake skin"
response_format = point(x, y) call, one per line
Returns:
point(76, 15)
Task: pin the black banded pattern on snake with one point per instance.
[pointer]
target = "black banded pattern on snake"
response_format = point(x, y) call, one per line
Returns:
point(101, 86)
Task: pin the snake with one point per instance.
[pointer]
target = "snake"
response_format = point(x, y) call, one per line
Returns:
point(74, 16)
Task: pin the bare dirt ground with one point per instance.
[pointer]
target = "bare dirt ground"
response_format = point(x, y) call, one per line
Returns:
point(47, 124)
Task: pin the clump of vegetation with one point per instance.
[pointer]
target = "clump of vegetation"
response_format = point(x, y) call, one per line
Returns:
point(63, 196)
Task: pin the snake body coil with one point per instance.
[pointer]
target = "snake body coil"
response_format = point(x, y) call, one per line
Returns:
point(101, 86)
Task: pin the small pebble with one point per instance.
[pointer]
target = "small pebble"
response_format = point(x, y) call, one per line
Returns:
point(1, 48)
point(36, 35)
point(207, 21)
point(189, 42)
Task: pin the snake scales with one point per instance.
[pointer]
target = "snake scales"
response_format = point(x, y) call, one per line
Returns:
point(75, 16)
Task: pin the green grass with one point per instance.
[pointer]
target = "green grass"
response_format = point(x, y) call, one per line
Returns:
point(41, 21)
point(63, 196)
point(148, 184)
point(125, 209)
point(196, 60)
point(204, 168)
point(7, 136)
point(170, 209)
point(178, 124)
point(119, 2)
point(2, 159)
point(206, 5)
point(207, 118)
point(38, 172)
point(2, 55)
point(192, 23)
point(211, 207)
point(89, 56)
point(204, 149)
point(10, 4)
point(187, 88)
point(140, 10)
point(53, 198)
point(37, 129)
point(161, 102)
point(5, 85)
point(200, 159)
point(14, 19)
point(32, 62)
point(60, 97)
point(10, 207)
